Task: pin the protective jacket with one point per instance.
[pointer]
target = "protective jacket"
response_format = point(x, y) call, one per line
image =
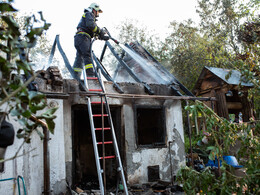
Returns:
point(88, 24)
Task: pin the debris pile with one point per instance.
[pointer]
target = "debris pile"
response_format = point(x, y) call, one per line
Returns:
point(158, 187)
point(50, 80)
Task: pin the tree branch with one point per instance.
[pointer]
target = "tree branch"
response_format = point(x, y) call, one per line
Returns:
point(18, 90)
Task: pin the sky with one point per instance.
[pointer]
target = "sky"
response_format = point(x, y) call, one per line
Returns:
point(64, 15)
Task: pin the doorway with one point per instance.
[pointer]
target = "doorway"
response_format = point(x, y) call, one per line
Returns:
point(84, 165)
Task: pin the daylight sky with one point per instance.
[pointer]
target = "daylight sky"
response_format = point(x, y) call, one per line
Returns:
point(64, 15)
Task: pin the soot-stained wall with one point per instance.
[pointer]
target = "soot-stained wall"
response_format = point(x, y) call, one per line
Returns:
point(137, 158)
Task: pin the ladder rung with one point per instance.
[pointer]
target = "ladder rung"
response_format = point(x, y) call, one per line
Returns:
point(97, 144)
point(97, 102)
point(92, 78)
point(96, 90)
point(108, 142)
point(99, 115)
point(106, 157)
point(106, 128)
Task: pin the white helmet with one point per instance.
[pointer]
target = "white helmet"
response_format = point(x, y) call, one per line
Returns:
point(96, 7)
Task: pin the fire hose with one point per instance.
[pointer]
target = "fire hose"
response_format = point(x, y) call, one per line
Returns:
point(109, 35)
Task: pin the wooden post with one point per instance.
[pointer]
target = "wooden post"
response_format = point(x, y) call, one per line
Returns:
point(189, 126)
point(222, 109)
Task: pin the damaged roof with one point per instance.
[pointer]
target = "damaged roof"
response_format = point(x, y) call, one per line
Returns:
point(233, 79)
point(148, 69)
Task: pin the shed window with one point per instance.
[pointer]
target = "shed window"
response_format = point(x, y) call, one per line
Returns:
point(150, 126)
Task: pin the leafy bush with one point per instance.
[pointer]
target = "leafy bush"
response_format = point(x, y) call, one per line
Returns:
point(224, 134)
point(15, 97)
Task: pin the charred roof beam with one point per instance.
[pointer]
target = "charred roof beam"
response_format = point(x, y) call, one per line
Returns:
point(105, 73)
point(131, 73)
point(182, 87)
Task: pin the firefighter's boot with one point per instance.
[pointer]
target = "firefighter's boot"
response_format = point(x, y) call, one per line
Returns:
point(90, 72)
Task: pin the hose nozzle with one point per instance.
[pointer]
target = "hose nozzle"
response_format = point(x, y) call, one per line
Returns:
point(116, 41)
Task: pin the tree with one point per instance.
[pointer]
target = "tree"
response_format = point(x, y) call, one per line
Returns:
point(249, 61)
point(215, 42)
point(233, 30)
point(15, 98)
point(227, 22)
point(37, 55)
point(185, 52)
point(131, 30)
point(223, 179)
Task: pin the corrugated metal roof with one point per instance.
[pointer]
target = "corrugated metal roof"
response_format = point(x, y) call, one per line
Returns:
point(233, 79)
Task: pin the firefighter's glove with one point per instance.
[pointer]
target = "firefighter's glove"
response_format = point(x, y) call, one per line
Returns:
point(103, 36)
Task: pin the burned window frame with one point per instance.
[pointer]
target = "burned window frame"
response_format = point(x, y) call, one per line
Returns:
point(157, 144)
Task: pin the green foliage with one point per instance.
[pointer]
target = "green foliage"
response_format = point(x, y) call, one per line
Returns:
point(129, 32)
point(37, 54)
point(233, 26)
point(6, 7)
point(227, 37)
point(194, 142)
point(15, 98)
point(223, 135)
point(249, 36)
point(183, 52)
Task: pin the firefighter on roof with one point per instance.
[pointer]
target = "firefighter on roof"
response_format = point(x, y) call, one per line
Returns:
point(87, 29)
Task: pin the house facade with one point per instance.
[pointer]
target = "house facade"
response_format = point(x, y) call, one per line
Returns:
point(149, 131)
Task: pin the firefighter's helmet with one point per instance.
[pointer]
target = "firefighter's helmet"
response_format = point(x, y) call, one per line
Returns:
point(96, 7)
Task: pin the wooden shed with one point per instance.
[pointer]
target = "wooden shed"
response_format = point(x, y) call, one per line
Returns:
point(230, 90)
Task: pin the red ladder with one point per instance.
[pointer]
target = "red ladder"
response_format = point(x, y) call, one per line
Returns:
point(95, 131)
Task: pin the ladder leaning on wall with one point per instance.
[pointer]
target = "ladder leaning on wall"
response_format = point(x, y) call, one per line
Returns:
point(97, 93)
point(94, 130)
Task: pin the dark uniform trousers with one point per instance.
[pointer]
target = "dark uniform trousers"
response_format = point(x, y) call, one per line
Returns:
point(82, 43)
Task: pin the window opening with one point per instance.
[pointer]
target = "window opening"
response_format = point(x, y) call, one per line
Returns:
point(150, 126)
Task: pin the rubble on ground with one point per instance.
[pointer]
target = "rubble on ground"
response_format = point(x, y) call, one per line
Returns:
point(151, 188)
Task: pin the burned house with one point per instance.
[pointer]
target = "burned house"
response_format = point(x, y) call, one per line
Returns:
point(148, 124)
point(229, 89)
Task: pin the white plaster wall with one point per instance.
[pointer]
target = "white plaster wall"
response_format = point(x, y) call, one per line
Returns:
point(12, 168)
point(128, 116)
point(67, 130)
point(175, 117)
point(30, 164)
point(33, 165)
point(56, 148)
point(138, 159)
point(144, 158)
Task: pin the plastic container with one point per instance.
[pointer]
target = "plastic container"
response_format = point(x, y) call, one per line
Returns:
point(213, 163)
point(231, 160)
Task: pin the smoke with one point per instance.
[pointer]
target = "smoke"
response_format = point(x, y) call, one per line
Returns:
point(39, 61)
point(148, 71)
